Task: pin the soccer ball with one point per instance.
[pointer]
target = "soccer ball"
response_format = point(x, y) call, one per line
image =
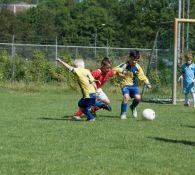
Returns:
point(148, 114)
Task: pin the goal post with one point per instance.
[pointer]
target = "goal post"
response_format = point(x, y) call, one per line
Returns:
point(174, 88)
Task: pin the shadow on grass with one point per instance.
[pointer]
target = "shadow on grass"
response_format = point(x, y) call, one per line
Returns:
point(189, 126)
point(69, 118)
point(64, 118)
point(107, 116)
point(185, 142)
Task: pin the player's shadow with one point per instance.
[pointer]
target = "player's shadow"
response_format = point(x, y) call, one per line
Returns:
point(106, 116)
point(64, 118)
point(185, 142)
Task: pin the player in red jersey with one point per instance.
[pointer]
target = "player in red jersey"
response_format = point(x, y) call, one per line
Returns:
point(101, 76)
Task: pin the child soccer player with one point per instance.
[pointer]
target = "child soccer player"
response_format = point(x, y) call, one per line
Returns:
point(188, 75)
point(131, 71)
point(101, 76)
point(87, 85)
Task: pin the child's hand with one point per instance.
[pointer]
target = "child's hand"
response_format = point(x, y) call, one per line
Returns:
point(148, 86)
point(97, 81)
point(180, 78)
point(59, 60)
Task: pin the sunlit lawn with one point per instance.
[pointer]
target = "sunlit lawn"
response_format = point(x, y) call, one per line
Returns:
point(39, 137)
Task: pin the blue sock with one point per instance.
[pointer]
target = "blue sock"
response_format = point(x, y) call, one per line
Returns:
point(123, 107)
point(98, 104)
point(88, 113)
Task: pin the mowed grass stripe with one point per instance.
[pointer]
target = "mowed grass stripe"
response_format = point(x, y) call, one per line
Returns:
point(38, 137)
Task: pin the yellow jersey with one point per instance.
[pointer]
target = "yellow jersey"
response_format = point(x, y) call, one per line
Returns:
point(131, 74)
point(85, 80)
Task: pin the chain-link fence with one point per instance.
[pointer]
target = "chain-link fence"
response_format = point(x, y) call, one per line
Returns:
point(157, 63)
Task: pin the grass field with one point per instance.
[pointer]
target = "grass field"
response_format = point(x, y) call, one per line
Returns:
point(38, 137)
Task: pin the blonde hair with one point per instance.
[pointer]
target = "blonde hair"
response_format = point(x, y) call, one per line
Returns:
point(79, 63)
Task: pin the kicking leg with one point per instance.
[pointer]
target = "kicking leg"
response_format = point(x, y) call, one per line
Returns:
point(134, 104)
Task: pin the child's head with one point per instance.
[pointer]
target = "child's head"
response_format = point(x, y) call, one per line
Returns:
point(134, 57)
point(79, 63)
point(106, 65)
point(189, 58)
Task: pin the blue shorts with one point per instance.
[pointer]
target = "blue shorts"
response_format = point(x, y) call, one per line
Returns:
point(189, 88)
point(87, 102)
point(131, 90)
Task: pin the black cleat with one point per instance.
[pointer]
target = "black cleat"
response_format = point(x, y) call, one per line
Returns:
point(106, 107)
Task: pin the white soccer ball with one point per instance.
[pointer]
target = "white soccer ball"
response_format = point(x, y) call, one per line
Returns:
point(148, 114)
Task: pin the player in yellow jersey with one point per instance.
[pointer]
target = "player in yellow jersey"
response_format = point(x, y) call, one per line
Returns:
point(87, 85)
point(131, 72)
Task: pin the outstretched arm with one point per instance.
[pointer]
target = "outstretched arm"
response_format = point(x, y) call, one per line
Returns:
point(143, 78)
point(70, 68)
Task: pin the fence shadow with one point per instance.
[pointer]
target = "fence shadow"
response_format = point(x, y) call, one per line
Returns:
point(185, 142)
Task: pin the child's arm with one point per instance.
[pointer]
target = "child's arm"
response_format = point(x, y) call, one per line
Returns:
point(70, 68)
point(120, 70)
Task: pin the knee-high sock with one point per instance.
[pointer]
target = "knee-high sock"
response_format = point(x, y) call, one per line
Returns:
point(123, 107)
point(98, 104)
point(193, 96)
point(94, 108)
point(134, 103)
point(79, 112)
point(186, 98)
point(88, 113)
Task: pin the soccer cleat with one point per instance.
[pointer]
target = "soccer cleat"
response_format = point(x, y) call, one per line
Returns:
point(133, 111)
point(75, 117)
point(106, 107)
point(91, 120)
point(123, 116)
point(187, 104)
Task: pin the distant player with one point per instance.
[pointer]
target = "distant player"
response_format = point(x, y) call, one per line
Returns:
point(101, 76)
point(87, 85)
point(132, 72)
point(188, 75)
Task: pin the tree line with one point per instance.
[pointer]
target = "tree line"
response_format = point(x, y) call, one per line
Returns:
point(121, 23)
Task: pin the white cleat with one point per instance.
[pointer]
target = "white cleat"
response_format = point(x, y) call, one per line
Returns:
point(187, 104)
point(123, 116)
point(75, 117)
point(91, 120)
point(134, 113)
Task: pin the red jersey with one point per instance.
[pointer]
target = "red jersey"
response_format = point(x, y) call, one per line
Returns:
point(97, 74)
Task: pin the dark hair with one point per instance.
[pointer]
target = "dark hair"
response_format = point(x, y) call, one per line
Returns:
point(188, 56)
point(106, 61)
point(134, 54)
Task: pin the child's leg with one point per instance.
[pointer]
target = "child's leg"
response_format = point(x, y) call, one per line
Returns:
point(135, 103)
point(88, 113)
point(137, 97)
point(79, 112)
point(186, 100)
point(85, 105)
point(102, 97)
point(124, 103)
point(193, 96)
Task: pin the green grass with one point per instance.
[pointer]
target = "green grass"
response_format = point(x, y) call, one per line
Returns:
point(38, 137)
